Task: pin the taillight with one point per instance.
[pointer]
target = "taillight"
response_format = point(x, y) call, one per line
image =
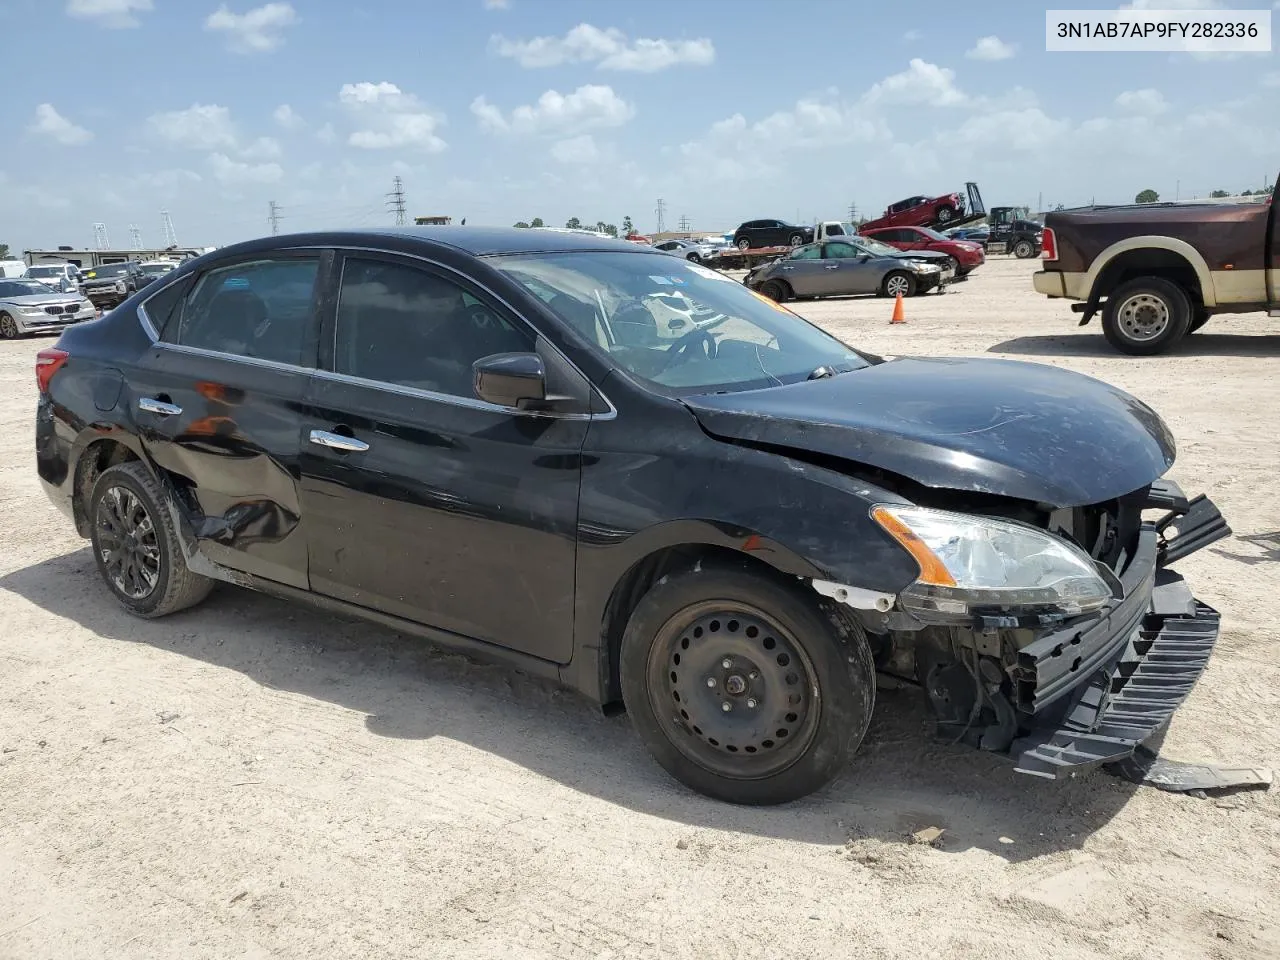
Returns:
point(1048, 245)
point(48, 362)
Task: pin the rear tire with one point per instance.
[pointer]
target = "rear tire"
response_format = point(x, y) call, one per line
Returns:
point(945, 214)
point(800, 684)
point(775, 290)
point(899, 281)
point(1146, 316)
point(795, 240)
point(136, 547)
point(744, 244)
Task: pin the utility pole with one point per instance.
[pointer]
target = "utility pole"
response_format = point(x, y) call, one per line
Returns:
point(273, 217)
point(684, 223)
point(135, 236)
point(396, 200)
point(100, 236)
point(170, 235)
point(662, 205)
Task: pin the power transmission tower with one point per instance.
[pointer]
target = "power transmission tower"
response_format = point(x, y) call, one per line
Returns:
point(100, 236)
point(170, 235)
point(684, 224)
point(853, 212)
point(662, 205)
point(273, 217)
point(135, 236)
point(396, 200)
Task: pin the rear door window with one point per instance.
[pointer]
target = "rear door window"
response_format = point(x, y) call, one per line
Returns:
point(260, 309)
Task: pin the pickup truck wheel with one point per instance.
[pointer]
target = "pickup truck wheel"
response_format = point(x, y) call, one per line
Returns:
point(743, 688)
point(1146, 316)
point(136, 546)
point(775, 290)
point(1024, 249)
point(898, 282)
point(945, 214)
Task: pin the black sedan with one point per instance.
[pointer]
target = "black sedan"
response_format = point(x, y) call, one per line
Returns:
point(625, 472)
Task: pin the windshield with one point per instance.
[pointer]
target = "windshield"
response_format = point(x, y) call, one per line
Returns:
point(156, 269)
point(108, 270)
point(931, 234)
point(871, 245)
point(680, 327)
point(45, 271)
point(23, 288)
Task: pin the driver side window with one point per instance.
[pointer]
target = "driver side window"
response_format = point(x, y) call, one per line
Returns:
point(809, 252)
point(842, 251)
point(404, 325)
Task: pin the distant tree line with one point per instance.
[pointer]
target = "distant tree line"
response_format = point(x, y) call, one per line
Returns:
point(1150, 196)
point(573, 223)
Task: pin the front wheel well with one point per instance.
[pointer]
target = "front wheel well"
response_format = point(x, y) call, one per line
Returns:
point(640, 578)
point(96, 458)
point(1149, 262)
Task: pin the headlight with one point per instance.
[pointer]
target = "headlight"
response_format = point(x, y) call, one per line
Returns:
point(925, 267)
point(970, 563)
point(31, 311)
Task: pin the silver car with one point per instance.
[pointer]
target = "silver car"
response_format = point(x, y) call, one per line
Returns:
point(28, 306)
point(693, 250)
point(850, 265)
point(63, 277)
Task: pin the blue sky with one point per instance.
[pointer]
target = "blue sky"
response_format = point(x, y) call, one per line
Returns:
point(503, 110)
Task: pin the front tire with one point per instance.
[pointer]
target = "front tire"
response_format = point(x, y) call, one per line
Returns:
point(8, 327)
point(775, 290)
point(1146, 316)
point(800, 685)
point(1024, 249)
point(898, 282)
point(136, 546)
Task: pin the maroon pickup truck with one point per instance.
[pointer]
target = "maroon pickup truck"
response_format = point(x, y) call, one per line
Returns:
point(1158, 271)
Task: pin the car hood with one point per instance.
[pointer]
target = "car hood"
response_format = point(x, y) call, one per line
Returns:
point(1003, 427)
point(52, 298)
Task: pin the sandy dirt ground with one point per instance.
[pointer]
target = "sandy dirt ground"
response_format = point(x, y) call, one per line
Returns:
point(252, 779)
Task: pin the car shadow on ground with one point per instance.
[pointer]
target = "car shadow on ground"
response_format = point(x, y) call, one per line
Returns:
point(901, 781)
point(1093, 344)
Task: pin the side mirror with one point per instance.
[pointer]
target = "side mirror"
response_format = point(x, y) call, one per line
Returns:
point(510, 379)
point(864, 258)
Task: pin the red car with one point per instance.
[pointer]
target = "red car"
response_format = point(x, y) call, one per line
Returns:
point(921, 212)
point(968, 254)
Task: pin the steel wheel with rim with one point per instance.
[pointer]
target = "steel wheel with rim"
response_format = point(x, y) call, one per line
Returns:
point(1146, 316)
point(736, 692)
point(1023, 249)
point(126, 543)
point(898, 283)
point(744, 686)
point(9, 327)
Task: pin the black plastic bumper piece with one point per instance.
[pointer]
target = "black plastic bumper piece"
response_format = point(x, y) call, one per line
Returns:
point(1126, 704)
point(1199, 525)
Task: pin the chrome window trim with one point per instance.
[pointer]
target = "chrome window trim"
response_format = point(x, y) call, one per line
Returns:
point(474, 403)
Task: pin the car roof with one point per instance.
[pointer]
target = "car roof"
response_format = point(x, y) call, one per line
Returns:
point(478, 241)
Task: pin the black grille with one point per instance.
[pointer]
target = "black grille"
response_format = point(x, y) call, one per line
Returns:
point(57, 311)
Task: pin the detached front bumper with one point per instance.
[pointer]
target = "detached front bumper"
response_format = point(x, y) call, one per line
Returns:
point(1096, 692)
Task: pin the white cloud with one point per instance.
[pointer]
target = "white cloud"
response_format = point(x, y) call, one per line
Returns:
point(609, 49)
point(255, 31)
point(50, 123)
point(389, 117)
point(589, 107)
point(1146, 102)
point(912, 35)
point(199, 127)
point(264, 148)
point(287, 117)
point(581, 149)
point(227, 170)
point(990, 48)
point(116, 14)
point(921, 83)
point(326, 134)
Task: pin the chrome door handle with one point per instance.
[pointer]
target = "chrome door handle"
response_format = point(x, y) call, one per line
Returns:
point(336, 441)
point(159, 407)
point(832, 266)
point(784, 268)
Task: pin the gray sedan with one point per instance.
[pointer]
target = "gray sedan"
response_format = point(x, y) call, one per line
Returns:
point(28, 306)
point(850, 265)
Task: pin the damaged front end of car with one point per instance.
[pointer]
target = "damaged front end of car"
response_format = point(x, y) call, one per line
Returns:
point(1059, 637)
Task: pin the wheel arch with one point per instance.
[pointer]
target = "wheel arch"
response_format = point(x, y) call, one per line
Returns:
point(95, 454)
point(1167, 257)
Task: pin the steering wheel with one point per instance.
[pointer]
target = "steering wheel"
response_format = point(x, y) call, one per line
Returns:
point(683, 347)
point(480, 315)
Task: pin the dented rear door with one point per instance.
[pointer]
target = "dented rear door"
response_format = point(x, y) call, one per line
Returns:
point(217, 401)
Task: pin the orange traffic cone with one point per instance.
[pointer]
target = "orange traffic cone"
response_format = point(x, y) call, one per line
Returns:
point(898, 316)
